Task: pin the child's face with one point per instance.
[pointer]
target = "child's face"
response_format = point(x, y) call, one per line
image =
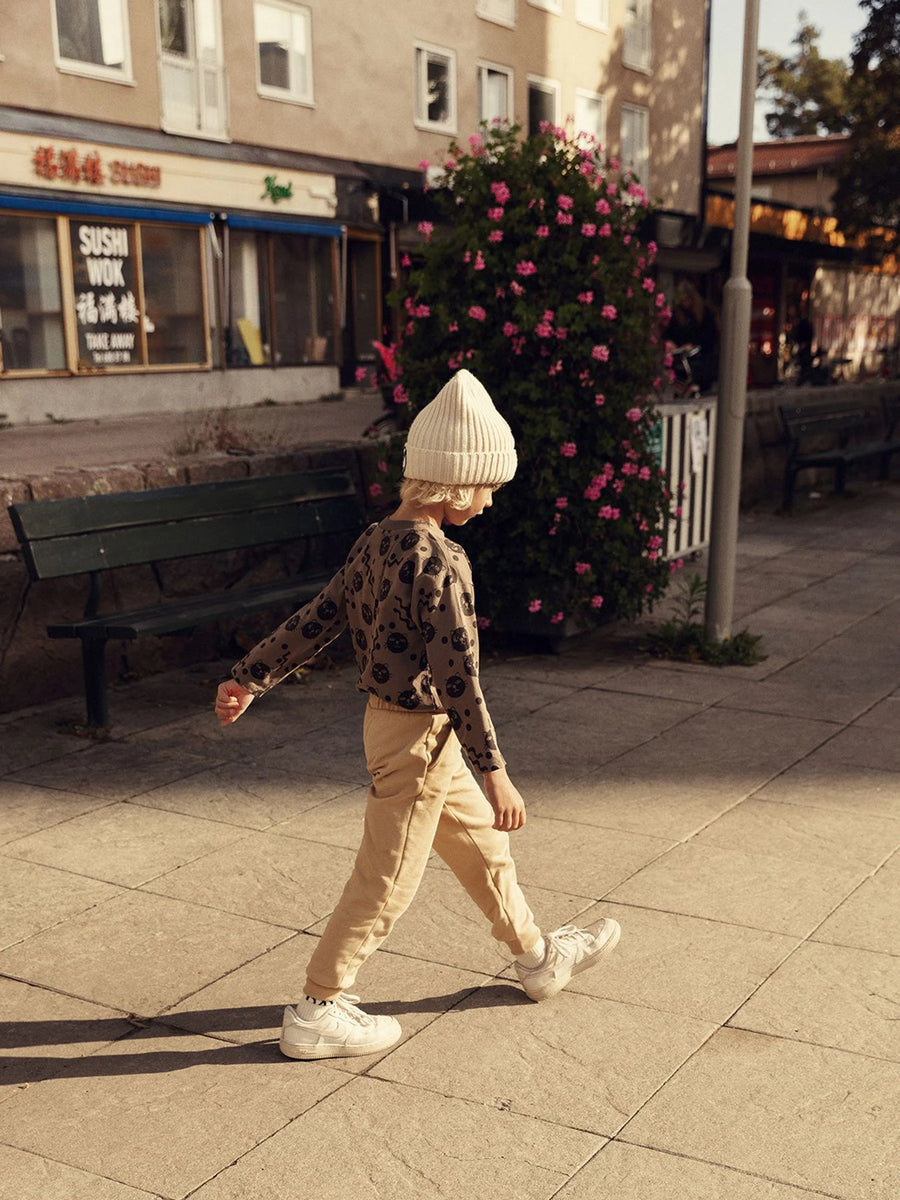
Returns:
point(481, 499)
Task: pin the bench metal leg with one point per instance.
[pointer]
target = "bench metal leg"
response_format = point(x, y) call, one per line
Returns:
point(93, 656)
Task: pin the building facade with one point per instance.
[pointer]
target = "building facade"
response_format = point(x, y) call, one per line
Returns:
point(204, 202)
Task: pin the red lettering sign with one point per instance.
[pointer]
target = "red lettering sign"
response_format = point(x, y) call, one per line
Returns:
point(50, 162)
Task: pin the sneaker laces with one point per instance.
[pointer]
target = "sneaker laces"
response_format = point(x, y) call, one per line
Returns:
point(569, 933)
point(346, 1003)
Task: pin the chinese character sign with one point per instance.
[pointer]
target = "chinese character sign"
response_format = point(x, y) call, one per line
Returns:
point(106, 309)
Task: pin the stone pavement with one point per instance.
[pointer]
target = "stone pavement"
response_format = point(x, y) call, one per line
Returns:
point(161, 892)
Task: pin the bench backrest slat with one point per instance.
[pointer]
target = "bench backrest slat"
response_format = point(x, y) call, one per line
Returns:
point(802, 420)
point(97, 533)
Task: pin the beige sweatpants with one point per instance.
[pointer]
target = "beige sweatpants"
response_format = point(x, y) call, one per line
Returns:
point(422, 796)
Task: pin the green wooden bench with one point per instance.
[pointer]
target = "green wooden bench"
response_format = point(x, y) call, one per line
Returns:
point(829, 435)
point(96, 534)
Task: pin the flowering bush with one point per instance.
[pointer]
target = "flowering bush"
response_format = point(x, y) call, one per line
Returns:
point(539, 284)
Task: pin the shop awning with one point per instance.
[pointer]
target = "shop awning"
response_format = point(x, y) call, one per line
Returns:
point(57, 206)
point(267, 224)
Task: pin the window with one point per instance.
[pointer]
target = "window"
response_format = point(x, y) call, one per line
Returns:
point(173, 294)
point(92, 38)
point(192, 74)
point(638, 45)
point(634, 150)
point(31, 321)
point(553, 6)
point(283, 51)
point(281, 291)
point(502, 12)
point(590, 117)
point(495, 93)
point(435, 89)
point(543, 102)
point(594, 13)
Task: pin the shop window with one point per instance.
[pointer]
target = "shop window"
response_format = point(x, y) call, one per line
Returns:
point(495, 93)
point(281, 291)
point(92, 38)
point(173, 295)
point(634, 150)
point(283, 51)
point(31, 320)
point(637, 43)
point(192, 73)
point(435, 89)
point(593, 13)
point(543, 103)
point(501, 12)
point(590, 117)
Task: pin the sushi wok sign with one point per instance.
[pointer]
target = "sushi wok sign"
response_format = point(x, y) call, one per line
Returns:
point(106, 310)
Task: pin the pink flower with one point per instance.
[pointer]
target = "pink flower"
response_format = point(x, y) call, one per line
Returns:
point(586, 297)
point(381, 466)
point(604, 230)
point(495, 214)
point(568, 449)
point(426, 228)
point(588, 229)
point(660, 300)
point(654, 542)
point(565, 202)
point(526, 267)
point(535, 606)
point(644, 473)
point(510, 330)
point(374, 489)
point(477, 313)
point(648, 285)
point(543, 231)
point(544, 329)
point(600, 353)
point(496, 235)
point(424, 164)
point(479, 261)
point(609, 311)
point(608, 513)
point(596, 601)
point(562, 502)
point(501, 192)
point(563, 218)
point(453, 327)
point(602, 207)
point(516, 288)
point(599, 399)
point(401, 396)
point(360, 374)
point(484, 622)
point(582, 568)
point(405, 261)
point(634, 414)
point(557, 618)
point(422, 310)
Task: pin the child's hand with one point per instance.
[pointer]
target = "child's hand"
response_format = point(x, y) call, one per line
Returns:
point(231, 701)
point(505, 800)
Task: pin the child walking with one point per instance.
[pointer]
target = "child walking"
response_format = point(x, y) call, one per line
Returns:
point(406, 593)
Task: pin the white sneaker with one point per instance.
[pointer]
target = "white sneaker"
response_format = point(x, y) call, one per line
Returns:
point(338, 1030)
point(569, 951)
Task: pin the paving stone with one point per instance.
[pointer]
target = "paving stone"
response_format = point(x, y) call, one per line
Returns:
point(139, 953)
point(380, 1139)
point(684, 965)
point(30, 1177)
point(875, 748)
point(34, 897)
point(624, 1172)
point(189, 1117)
point(884, 715)
point(42, 1030)
point(625, 719)
point(795, 698)
point(810, 835)
point(255, 795)
point(804, 1115)
point(782, 895)
point(336, 822)
point(868, 918)
point(25, 809)
point(284, 881)
point(591, 1067)
point(707, 687)
point(833, 996)
point(124, 843)
point(843, 786)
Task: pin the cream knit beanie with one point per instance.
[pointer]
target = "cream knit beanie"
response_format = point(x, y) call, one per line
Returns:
point(460, 438)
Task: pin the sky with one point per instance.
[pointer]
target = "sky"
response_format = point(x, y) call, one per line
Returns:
point(779, 21)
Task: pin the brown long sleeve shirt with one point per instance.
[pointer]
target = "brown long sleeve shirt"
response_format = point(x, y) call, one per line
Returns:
point(406, 592)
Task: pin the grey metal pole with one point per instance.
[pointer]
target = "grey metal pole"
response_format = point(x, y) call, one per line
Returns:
point(732, 403)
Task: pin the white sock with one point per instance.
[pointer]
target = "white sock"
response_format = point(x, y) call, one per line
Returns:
point(535, 955)
point(308, 1008)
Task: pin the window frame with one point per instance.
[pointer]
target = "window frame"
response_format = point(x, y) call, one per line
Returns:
point(287, 95)
point(167, 59)
point(423, 52)
point(643, 177)
point(484, 67)
point(78, 66)
point(488, 11)
point(601, 24)
point(643, 20)
point(550, 87)
point(550, 6)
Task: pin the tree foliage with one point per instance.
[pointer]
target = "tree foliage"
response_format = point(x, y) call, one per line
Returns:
point(868, 193)
point(539, 283)
point(808, 93)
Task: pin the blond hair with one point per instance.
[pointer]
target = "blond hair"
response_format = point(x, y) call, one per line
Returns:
point(457, 495)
